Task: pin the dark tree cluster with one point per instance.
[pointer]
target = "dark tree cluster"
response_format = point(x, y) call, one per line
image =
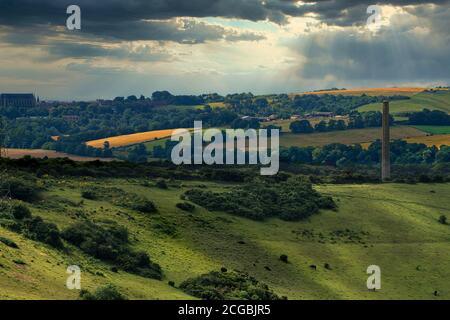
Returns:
point(16, 217)
point(110, 242)
point(356, 121)
point(291, 200)
point(228, 286)
point(427, 117)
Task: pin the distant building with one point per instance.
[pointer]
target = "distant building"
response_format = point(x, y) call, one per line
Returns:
point(71, 118)
point(26, 100)
point(319, 114)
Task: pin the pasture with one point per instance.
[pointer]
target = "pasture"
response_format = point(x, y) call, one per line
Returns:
point(393, 226)
point(371, 92)
point(434, 101)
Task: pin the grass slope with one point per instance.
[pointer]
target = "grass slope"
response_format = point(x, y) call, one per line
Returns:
point(393, 226)
point(434, 101)
point(371, 92)
point(434, 129)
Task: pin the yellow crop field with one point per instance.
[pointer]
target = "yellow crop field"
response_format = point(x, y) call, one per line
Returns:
point(130, 139)
point(217, 105)
point(436, 140)
point(372, 91)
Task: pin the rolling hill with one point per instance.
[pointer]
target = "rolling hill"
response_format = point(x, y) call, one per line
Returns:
point(393, 226)
point(434, 101)
point(353, 136)
point(131, 139)
point(370, 91)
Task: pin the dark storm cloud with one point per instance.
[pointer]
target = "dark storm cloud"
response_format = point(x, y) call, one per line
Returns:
point(62, 50)
point(390, 56)
point(137, 20)
point(119, 12)
point(181, 31)
point(348, 12)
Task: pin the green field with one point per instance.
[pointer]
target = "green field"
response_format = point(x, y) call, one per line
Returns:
point(395, 225)
point(434, 129)
point(346, 137)
point(434, 101)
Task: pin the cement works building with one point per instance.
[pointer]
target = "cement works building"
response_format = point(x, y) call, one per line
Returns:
point(17, 100)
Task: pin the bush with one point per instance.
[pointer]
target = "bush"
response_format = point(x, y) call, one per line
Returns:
point(18, 218)
point(14, 210)
point(186, 206)
point(109, 242)
point(227, 286)
point(290, 200)
point(108, 292)
point(37, 229)
point(88, 193)
point(284, 258)
point(161, 184)
point(443, 219)
point(20, 189)
point(119, 198)
point(20, 211)
point(139, 204)
point(9, 243)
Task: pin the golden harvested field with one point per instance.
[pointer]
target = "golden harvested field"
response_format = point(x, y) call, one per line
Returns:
point(437, 140)
point(217, 105)
point(347, 136)
point(372, 91)
point(40, 153)
point(130, 139)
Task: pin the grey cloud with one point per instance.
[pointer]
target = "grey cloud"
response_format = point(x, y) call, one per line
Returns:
point(351, 12)
point(62, 50)
point(180, 30)
point(390, 56)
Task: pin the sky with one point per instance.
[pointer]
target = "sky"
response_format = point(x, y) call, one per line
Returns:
point(225, 46)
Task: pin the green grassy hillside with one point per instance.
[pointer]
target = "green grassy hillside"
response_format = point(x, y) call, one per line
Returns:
point(439, 100)
point(434, 129)
point(393, 226)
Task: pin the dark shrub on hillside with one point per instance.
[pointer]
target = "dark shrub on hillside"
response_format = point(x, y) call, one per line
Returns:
point(443, 219)
point(284, 258)
point(17, 217)
point(14, 210)
point(119, 198)
point(20, 189)
point(109, 242)
point(227, 286)
point(161, 184)
point(137, 203)
point(9, 243)
point(20, 211)
point(108, 292)
point(294, 199)
point(45, 232)
point(186, 206)
point(88, 193)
